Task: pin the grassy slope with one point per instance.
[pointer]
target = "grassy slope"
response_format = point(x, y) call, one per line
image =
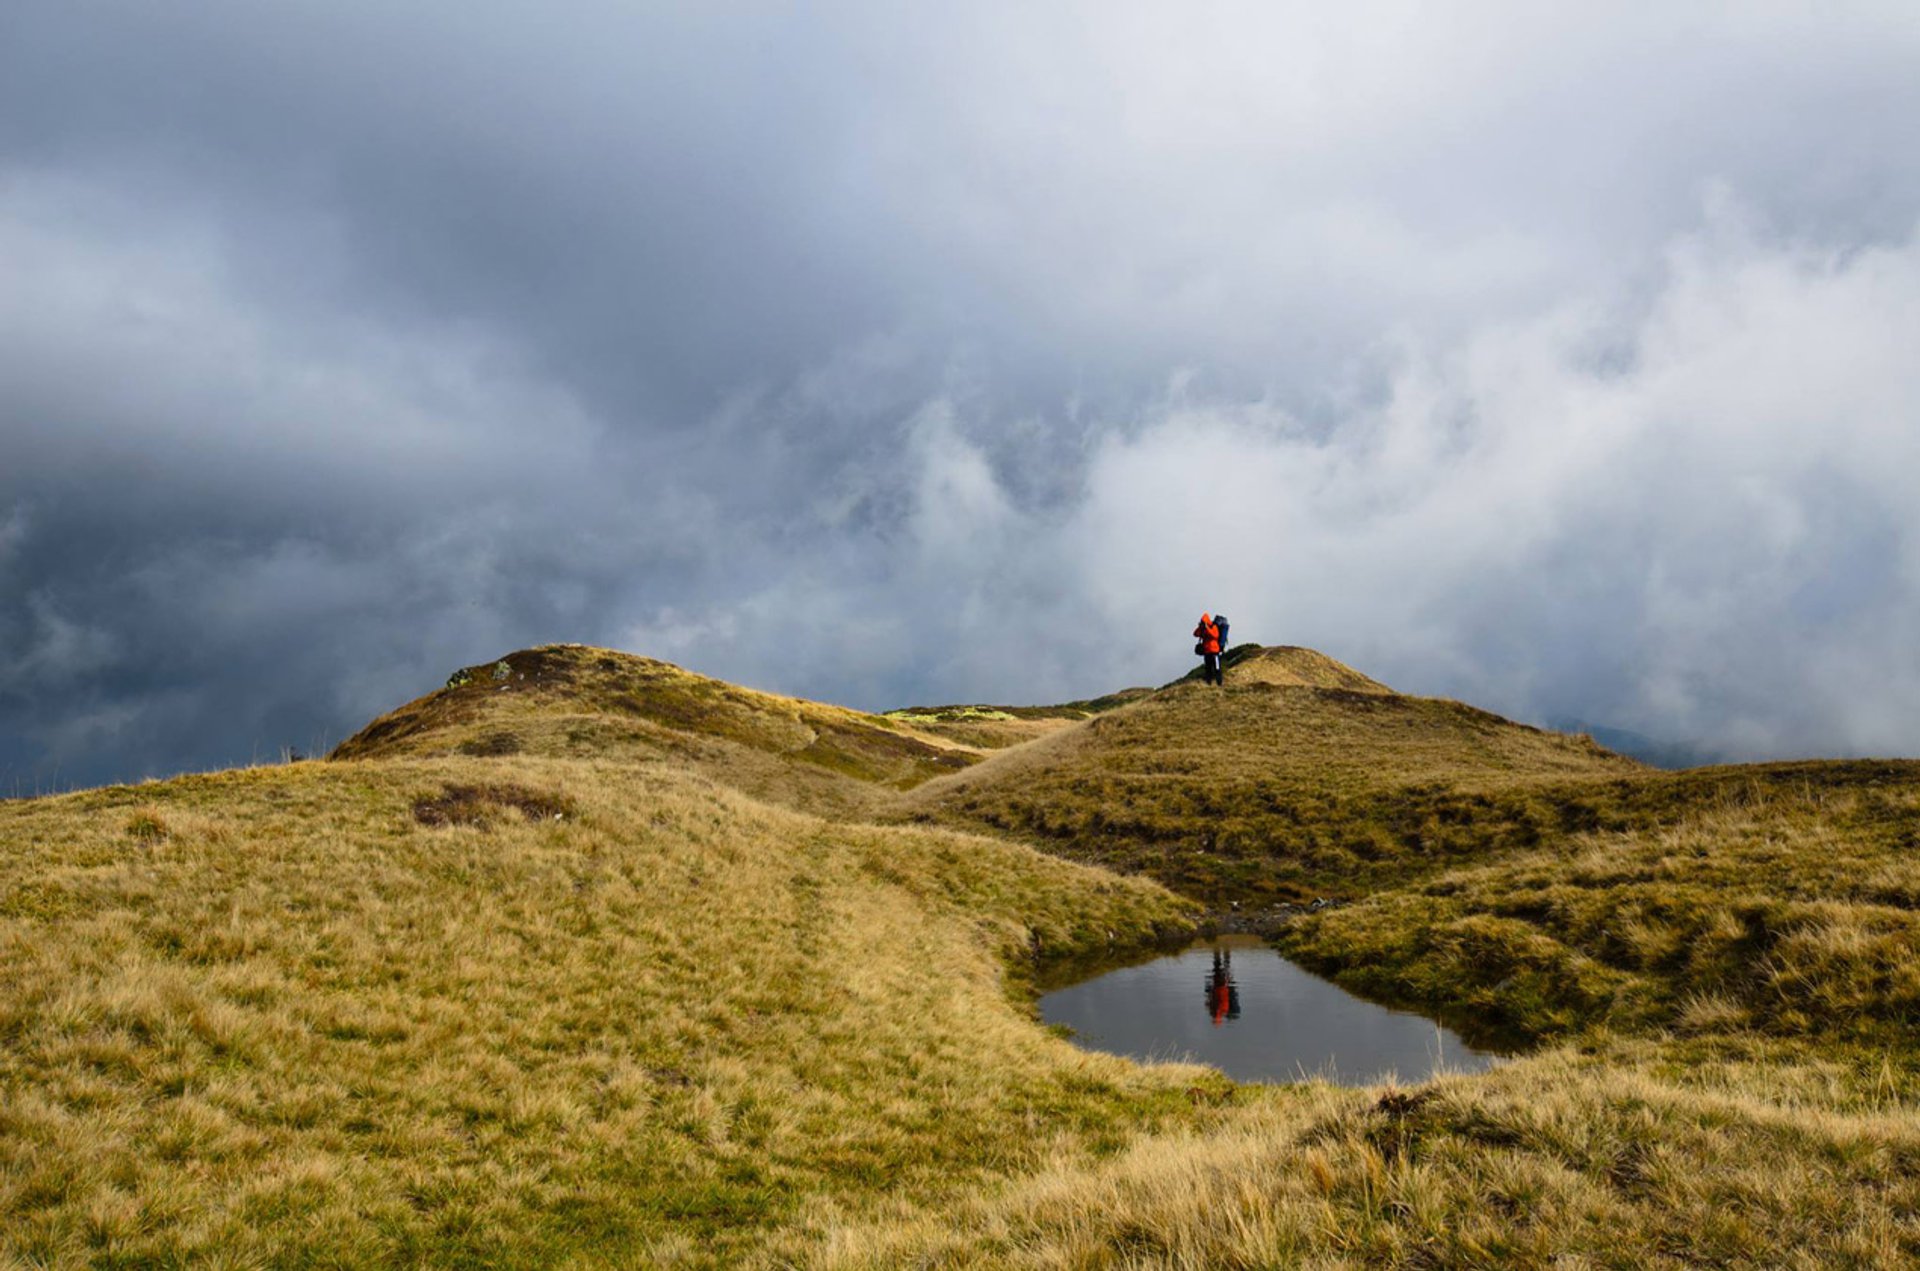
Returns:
point(1780, 898)
point(1721, 963)
point(271, 1016)
point(1275, 789)
point(1743, 1157)
point(997, 727)
point(1734, 981)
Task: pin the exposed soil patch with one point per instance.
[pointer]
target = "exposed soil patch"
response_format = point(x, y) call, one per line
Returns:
point(554, 667)
point(388, 728)
point(492, 745)
point(480, 805)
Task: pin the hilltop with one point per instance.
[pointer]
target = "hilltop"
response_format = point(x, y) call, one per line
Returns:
point(1301, 777)
point(996, 727)
point(1290, 665)
point(574, 701)
point(582, 958)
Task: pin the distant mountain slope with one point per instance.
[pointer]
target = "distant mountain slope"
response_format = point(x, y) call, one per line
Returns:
point(1652, 750)
point(573, 701)
point(1276, 786)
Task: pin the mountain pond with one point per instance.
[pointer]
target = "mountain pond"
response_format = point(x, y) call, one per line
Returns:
point(1235, 1003)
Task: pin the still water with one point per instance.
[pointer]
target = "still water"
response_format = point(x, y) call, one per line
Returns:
point(1236, 1004)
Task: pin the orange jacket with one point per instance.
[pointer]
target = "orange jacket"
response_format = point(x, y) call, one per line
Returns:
point(1207, 634)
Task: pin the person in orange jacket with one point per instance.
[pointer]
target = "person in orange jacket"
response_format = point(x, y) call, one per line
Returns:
point(1207, 645)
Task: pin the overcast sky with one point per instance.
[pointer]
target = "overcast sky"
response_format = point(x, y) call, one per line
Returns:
point(1562, 361)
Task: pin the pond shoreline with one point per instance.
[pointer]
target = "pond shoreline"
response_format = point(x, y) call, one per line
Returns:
point(1051, 971)
point(1266, 921)
point(1235, 1002)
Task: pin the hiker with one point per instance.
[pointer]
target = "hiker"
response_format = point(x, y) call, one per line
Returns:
point(1207, 645)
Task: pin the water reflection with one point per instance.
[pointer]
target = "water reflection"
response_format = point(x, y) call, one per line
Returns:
point(1265, 1019)
point(1223, 995)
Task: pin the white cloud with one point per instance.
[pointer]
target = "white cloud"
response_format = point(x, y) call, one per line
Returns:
point(1710, 532)
point(1681, 515)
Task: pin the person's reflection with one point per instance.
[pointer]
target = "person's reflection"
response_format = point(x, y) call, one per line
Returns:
point(1223, 995)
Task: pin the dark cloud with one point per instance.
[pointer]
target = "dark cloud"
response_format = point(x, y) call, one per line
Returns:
point(1553, 360)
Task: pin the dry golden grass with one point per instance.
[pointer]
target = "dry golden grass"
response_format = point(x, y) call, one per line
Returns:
point(1291, 666)
point(1566, 1159)
point(984, 727)
point(575, 701)
point(997, 727)
point(1780, 899)
point(1275, 790)
point(560, 972)
point(271, 1016)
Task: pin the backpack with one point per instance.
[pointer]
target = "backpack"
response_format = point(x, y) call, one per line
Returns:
point(1220, 624)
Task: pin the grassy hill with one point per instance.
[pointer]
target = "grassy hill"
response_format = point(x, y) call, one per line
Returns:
point(584, 960)
point(572, 701)
point(1299, 778)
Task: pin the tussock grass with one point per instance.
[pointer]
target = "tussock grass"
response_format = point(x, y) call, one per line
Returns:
point(302, 1025)
point(1565, 1159)
point(1785, 900)
point(1264, 790)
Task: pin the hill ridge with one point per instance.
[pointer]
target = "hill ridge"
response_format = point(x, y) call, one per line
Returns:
point(583, 701)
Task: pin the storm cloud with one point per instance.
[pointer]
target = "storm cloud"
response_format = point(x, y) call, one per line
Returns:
point(1559, 361)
